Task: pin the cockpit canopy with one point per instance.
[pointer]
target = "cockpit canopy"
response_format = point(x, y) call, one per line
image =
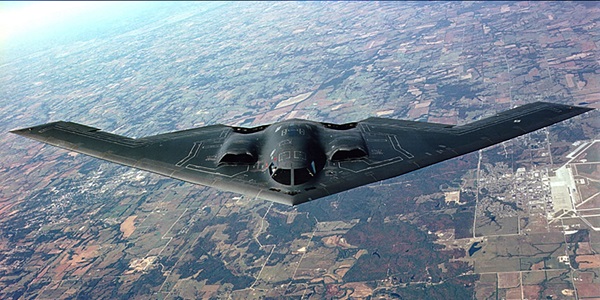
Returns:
point(292, 176)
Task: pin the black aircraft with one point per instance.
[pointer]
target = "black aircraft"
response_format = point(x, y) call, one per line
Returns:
point(295, 161)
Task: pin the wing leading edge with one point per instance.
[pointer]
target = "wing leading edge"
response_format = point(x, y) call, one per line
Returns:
point(164, 154)
point(488, 131)
point(187, 155)
point(395, 147)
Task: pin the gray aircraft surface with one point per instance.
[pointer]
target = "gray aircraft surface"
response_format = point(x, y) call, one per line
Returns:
point(295, 161)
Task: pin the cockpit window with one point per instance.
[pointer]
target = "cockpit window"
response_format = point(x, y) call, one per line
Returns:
point(302, 176)
point(283, 176)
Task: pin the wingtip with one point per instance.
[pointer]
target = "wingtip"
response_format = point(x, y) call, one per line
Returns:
point(581, 109)
point(22, 131)
point(31, 131)
point(577, 109)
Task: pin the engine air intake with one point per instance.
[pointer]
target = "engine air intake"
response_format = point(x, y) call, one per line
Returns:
point(351, 154)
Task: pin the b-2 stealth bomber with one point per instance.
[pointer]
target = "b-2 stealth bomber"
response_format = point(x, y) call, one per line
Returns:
point(295, 161)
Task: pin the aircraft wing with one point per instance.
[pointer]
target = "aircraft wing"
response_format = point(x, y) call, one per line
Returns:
point(187, 155)
point(397, 147)
point(394, 147)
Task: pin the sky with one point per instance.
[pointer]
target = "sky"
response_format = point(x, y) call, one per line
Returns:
point(30, 26)
point(18, 18)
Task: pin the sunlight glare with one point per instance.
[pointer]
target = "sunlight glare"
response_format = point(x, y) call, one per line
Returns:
point(25, 17)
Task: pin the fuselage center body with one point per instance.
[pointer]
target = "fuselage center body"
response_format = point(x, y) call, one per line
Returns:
point(294, 152)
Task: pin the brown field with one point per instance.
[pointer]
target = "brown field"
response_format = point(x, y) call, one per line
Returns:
point(336, 241)
point(341, 271)
point(80, 258)
point(513, 293)
point(6, 207)
point(588, 261)
point(531, 291)
point(538, 266)
point(585, 277)
point(210, 290)
point(359, 289)
point(127, 226)
point(588, 290)
point(419, 110)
